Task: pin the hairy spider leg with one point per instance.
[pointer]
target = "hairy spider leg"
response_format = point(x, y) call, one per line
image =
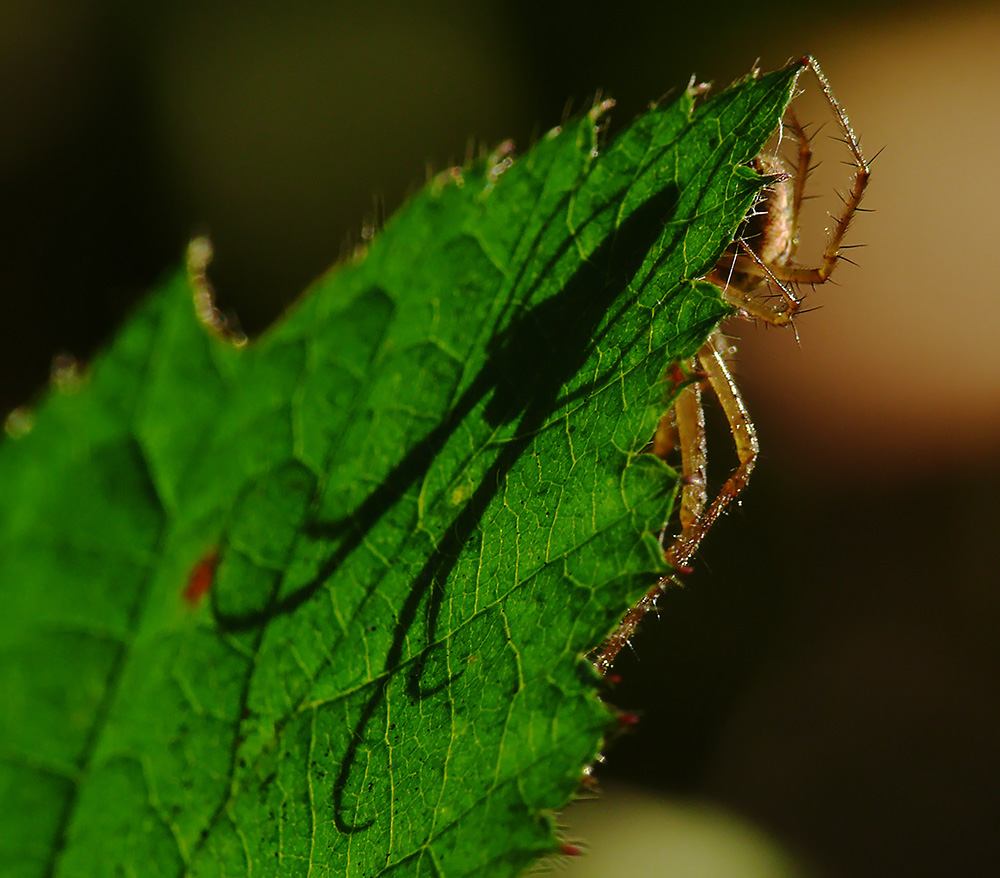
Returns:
point(685, 426)
point(696, 519)
point(783, 271)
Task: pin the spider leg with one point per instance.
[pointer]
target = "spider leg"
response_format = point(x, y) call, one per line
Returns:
point(711, 357)
point(682, 426)
point(784, 273)
point(802, 169)
point(792, 274)
point(779, 309)
point(689, 419)
point(687, 424)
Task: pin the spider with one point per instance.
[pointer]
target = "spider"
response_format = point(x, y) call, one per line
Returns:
point(762, 256)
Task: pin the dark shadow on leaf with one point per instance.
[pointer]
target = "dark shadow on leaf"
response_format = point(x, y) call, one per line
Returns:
point(528, 365)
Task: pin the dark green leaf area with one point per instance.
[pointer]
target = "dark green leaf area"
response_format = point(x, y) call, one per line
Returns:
point(319, 606)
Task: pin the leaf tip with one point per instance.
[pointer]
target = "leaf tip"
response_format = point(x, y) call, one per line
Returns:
point(696, 89)
point(588, 781)
point(601, 108)
point(198, 257)
point(19, 422)
point(627, 720)
point(500, 160)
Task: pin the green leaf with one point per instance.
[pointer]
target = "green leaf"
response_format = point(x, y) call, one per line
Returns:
point(424, 498)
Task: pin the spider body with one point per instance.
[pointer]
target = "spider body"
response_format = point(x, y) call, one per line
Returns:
point(772, 230)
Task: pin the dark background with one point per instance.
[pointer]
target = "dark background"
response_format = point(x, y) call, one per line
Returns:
point(830, 671)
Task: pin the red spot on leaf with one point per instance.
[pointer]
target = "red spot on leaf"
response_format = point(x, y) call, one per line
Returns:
point(200, 578)
point(569, 850)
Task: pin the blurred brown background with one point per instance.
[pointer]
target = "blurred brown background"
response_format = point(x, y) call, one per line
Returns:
point(829, 674)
